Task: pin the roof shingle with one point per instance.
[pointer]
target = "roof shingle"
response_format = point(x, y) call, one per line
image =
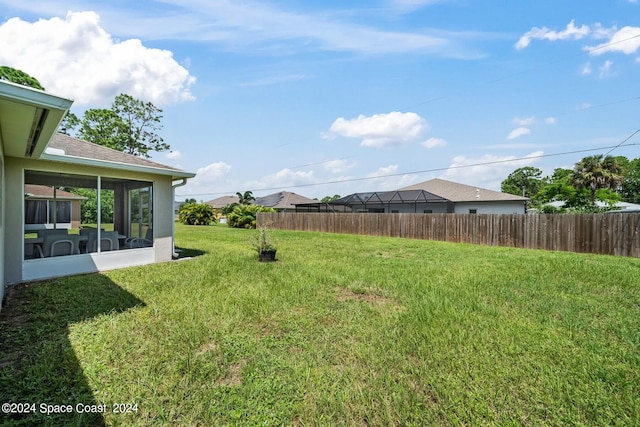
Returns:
point(462, 193)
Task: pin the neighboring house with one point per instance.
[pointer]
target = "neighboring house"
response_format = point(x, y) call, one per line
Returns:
point(472, 199)
point(49, 207)
point(433, 196)
point(223, 201)
point(283, 201)
point(33, 154)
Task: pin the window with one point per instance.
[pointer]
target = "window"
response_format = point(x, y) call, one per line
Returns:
point(44, 212)
point(473, 211)
point(85, 206)
point(428, 211)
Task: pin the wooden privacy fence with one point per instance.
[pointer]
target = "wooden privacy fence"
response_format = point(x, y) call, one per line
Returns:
point(607, 234)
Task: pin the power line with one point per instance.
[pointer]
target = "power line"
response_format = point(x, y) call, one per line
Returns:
point(625, 140)
point(341, 181)
point(437, 98)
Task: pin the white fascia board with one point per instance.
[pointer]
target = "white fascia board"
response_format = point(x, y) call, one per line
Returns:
point(36, 97)
point(115, 165)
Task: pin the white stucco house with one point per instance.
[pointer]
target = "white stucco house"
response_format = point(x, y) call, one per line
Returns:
point(433, 196)
point(33, 154)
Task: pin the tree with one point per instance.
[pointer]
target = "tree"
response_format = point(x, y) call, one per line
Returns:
point(69, 123)
point(89, 207)
point(103, 127)
point(597, 172)
point(244, 216)
point(630, 187)
point(327, 199)
point(246, 198)
point(142, 121)
point(19, 77)
point(525, 181)
point(559, 186)
point(229, 208)
point(130, 126)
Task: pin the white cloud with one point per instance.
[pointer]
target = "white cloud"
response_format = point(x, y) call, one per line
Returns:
point(282, 179)
point(385, 182)
point(384, 171)
point(527, 121)
point(265, 26)
point(208, 182)
point(434, 142)
point(516, 133)
point(380, 130)
point(173, 155)
point(76, 58)
point(488, 170)
point(571, 32)
point(586, 69)
point(338, 166)
point(550, 120)
point(625, 40)
point(605, 69)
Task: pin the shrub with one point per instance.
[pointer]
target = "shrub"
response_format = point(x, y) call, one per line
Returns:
point(244, 216)
point(196, 214)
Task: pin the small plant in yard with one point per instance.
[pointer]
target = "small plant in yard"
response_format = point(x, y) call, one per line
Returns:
point(266, 250)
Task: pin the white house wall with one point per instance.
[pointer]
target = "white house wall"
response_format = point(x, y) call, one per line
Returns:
point(2, 218)
point(513, 207)
point(416, 208)
point(508, 207)
point(16, 269)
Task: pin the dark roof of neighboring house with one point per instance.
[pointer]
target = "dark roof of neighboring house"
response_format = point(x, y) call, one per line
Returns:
point(282, 200)
point(381, 197)
point(65, 145)
point(456, 192)
point(34, 191)
point(223, 201)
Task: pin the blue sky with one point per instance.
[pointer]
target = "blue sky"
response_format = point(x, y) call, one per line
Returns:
point(335, 97)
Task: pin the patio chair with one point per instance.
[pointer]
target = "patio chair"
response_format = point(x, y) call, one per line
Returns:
point(59, 245)
point(140, 242)
point(108, 241)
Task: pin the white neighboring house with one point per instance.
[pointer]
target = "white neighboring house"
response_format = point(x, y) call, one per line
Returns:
point(472, 199)
point(32, 153)
point(433, 196)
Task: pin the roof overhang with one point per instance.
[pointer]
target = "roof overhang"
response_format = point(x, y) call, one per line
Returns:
point(54, 156)
point(28, 119)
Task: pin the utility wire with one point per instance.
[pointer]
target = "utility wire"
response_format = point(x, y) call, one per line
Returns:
point(621, 144)
point(341, 181)
point(625, 140)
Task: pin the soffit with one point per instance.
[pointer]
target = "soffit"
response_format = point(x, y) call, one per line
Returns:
point(28, 119)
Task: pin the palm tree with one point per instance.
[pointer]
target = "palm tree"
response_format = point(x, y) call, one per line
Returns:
point(246, 198)
point(596, 172)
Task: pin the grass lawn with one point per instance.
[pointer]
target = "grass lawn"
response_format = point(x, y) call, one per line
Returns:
point(341, 330)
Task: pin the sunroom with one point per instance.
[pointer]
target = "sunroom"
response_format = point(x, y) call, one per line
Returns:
point(100, 209)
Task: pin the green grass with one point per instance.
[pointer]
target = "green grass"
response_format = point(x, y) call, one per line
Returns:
point(341, 330)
